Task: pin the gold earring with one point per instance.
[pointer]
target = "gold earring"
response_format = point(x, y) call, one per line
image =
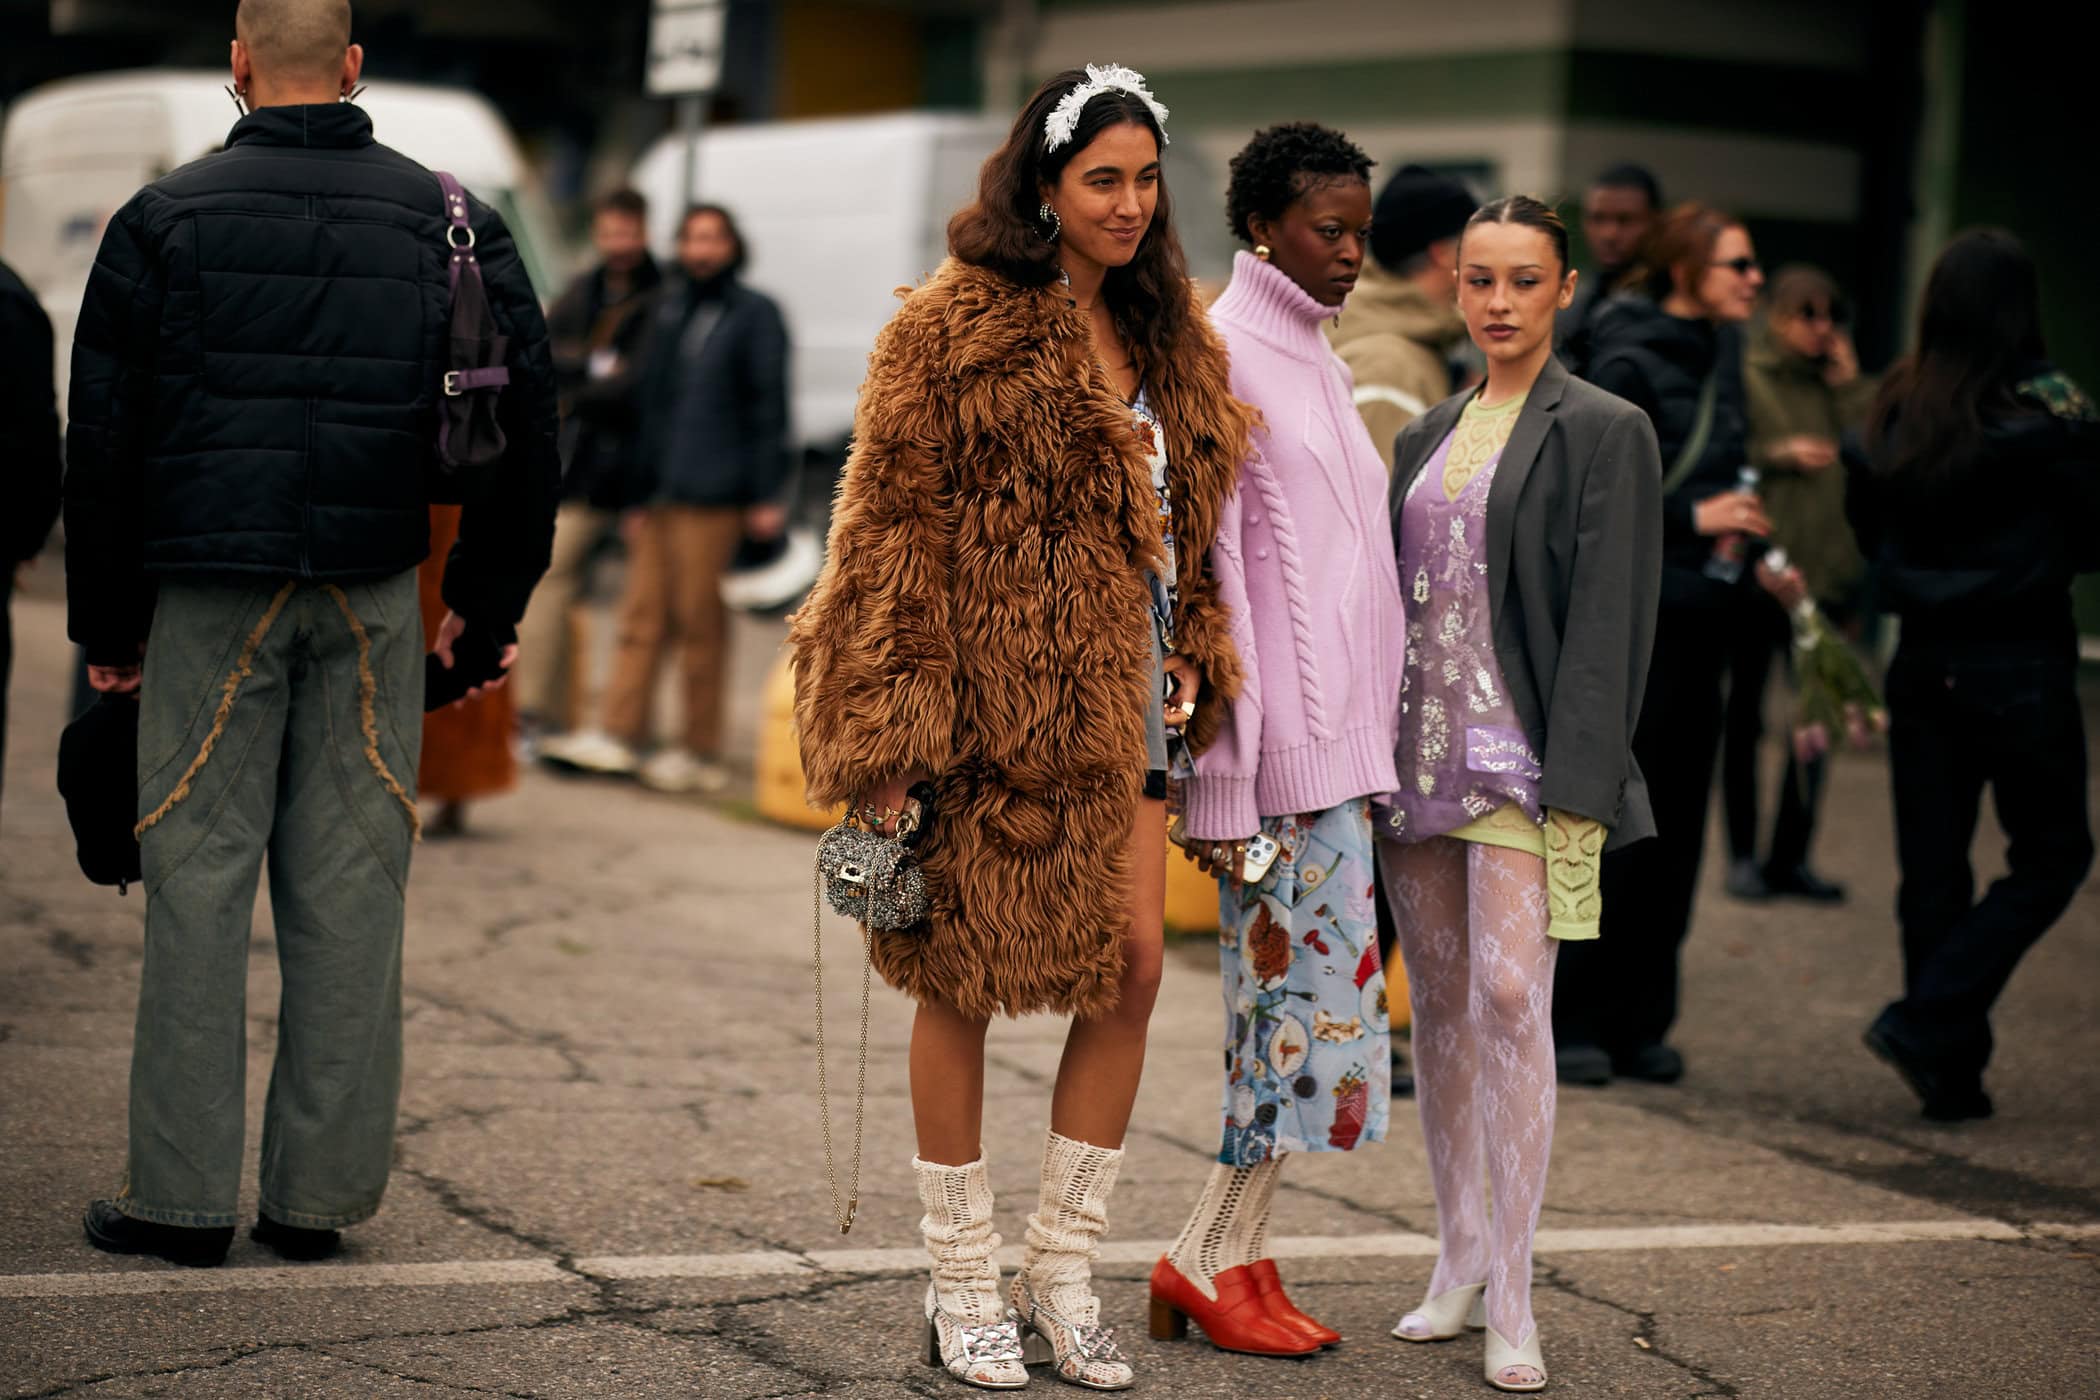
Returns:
point(1261, 250)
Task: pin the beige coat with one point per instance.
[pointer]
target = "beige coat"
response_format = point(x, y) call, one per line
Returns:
point(1397, 343)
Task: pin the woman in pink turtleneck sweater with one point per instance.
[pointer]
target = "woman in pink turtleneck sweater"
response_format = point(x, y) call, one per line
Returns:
point(1304, 560)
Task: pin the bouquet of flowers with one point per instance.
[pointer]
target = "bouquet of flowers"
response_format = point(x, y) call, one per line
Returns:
point(1834, 694)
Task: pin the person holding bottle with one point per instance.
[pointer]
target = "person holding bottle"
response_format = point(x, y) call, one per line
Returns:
point(1671, 345)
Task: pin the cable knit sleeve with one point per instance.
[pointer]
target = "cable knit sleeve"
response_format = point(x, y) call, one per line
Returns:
point(1218, 801)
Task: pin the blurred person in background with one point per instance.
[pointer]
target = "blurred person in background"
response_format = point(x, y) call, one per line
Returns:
point(1671, 346)
point(714, 456)
point(30, 478)
point(1305, 563)
point(597, 329)
point(241, 548)
point(1528, 535)
point(1019, 607)
point(1401, 325)
point(1618, 211)
point(1803, 392)
point(1978, 503)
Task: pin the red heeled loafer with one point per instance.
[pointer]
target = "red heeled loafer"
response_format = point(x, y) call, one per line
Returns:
point(1283, 1309)
point(1239, 1320)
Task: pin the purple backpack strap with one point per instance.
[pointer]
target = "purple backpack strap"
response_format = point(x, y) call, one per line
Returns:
point(472, 341)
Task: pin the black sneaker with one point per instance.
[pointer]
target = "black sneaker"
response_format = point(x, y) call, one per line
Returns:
point(1582, 1064)
point(113, 1232)
point(1657, 1064)
point(1746, 879)
point(1945, 1095)
point(293, 1241)
point(1803, 883)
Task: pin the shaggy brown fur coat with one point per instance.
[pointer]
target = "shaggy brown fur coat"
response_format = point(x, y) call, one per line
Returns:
point(983, 615)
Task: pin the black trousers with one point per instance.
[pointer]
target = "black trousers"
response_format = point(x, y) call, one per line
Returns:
point(1758, 634)
point(7, 654)
point(1958, 724)
point(1619, 991)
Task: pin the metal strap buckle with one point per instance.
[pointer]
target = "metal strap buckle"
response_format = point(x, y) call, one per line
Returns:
point(452, 389)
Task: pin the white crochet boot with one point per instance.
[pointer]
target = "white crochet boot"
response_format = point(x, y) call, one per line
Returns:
point(967, 1332)
point(1053, 1295)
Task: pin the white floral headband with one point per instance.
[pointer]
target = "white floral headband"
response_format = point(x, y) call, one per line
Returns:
point(1064, 118)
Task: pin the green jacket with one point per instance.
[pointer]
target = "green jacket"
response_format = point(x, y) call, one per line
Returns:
point(1397, 344)
point(1785, 395)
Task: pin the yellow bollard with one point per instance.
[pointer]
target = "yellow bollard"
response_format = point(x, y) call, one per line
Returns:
point(1192, 896)
point(780, 782)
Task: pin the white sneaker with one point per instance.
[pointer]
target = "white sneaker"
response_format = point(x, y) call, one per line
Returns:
point(590, 751)
point(678, 770)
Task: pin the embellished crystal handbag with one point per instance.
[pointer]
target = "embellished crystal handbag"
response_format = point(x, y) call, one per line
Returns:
point(875, 880)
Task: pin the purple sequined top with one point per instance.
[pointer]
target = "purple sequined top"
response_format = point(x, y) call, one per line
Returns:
point(1462, 753)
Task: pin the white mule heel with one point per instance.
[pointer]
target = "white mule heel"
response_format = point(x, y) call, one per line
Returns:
point(1444, 1316)
point(1501, 1356)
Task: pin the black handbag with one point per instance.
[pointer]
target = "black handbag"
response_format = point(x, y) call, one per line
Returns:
point(98, 776)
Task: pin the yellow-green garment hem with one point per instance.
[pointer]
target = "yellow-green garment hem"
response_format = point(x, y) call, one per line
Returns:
point(1572, 848)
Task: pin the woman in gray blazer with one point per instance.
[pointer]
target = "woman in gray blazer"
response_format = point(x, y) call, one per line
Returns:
point(1527, 518)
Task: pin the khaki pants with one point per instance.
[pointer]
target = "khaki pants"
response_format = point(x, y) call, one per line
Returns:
point(674, 594)
point(546, 651)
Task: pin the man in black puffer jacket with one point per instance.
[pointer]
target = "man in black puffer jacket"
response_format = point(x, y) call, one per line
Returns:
point(256, 376)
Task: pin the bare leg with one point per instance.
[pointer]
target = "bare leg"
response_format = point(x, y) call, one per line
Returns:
point(1097, 1081)
point(947, 1084)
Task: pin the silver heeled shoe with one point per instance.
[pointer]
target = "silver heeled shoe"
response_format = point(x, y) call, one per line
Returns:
point(1093, 1360)
point(984, 1354)
point(1501, 1356)
point(1446, 1315)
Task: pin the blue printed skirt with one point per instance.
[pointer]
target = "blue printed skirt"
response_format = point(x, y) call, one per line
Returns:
point(1307, 1066)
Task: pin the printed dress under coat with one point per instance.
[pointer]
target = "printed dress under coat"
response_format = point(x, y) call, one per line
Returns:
point(1465, 759)
point(1306, 1062)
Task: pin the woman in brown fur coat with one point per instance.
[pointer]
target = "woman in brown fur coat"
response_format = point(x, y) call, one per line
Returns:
point(1017, 576)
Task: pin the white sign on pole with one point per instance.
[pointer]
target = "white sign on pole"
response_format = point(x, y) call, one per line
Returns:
point(685, 46)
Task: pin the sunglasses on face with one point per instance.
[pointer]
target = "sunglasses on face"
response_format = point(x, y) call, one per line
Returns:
point(1741, 267)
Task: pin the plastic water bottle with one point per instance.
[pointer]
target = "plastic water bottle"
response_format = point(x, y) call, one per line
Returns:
point(1731, 550)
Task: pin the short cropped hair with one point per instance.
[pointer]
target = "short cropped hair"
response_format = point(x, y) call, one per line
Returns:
point(304, 38)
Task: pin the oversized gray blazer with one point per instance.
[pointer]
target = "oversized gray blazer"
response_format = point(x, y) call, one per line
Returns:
point(1574, 560)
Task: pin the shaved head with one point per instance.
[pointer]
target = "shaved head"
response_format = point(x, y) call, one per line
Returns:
point(294, 39)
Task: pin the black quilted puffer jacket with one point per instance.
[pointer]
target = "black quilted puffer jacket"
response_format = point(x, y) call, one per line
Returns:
point(256, 373)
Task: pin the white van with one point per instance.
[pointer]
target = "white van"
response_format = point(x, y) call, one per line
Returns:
point(73, 152)
point(841, 212)
point(838, 213)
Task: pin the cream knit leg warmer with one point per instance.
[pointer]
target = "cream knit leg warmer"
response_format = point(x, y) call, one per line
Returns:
point(1054, 1292)
point(976, 1342)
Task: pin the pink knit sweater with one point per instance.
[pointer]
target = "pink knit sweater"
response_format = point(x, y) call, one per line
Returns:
point(1304, 559)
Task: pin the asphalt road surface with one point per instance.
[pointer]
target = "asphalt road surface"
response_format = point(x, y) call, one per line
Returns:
point(609, 1180)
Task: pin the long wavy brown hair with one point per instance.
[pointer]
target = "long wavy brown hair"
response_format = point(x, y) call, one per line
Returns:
point(1149, 295)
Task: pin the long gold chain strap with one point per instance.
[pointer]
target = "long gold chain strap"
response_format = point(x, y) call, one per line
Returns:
point(845, 1212)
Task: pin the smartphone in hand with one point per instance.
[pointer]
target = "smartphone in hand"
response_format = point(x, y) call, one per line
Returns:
point(476, 660)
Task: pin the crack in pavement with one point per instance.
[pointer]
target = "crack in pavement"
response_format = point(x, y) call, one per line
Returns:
point(559, 1043)
point(1555, 1277)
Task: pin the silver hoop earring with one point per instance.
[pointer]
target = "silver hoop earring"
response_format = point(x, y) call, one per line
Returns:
point(1048, 215)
